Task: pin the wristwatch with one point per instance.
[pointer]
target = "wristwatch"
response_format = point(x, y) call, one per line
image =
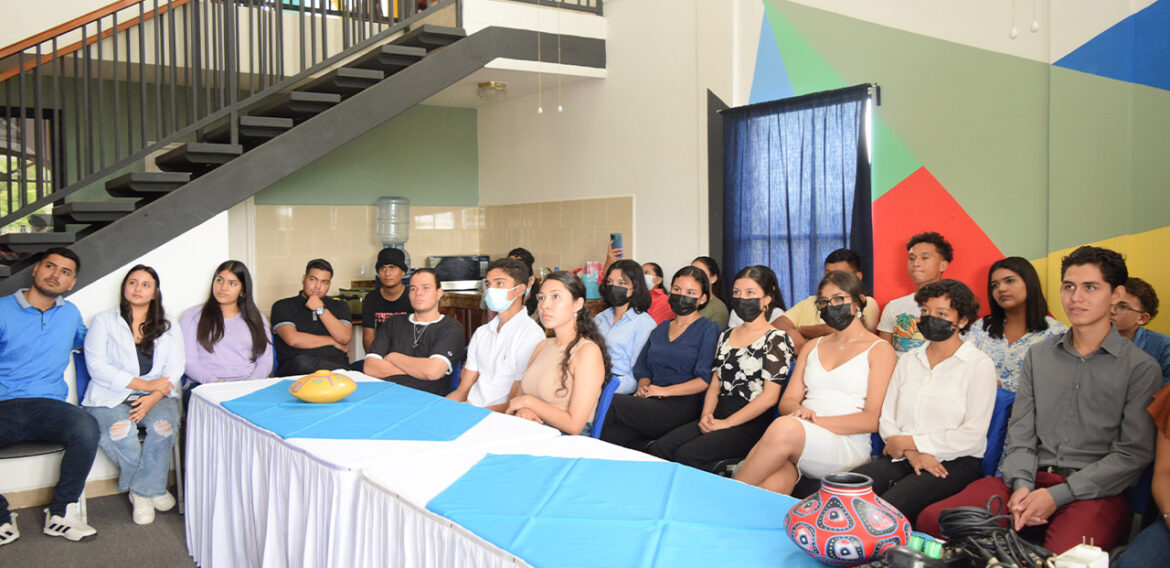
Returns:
point(320, 310)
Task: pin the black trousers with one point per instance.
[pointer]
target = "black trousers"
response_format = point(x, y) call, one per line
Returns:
point(896, 482)
point(634, 422)
point(306, 363)
point(688, 445)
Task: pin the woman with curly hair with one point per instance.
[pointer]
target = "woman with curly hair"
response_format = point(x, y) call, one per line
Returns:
point(563, 382)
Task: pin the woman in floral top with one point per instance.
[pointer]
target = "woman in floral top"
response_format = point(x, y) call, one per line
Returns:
point(1019, 318)
point(751, 364)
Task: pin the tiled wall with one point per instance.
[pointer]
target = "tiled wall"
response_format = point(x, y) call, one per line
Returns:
point(560, 233)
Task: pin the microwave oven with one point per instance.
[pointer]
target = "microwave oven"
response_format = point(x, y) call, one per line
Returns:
point(463, 272)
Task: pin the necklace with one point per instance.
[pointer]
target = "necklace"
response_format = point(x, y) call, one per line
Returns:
point(418, 330)
point(855, 338)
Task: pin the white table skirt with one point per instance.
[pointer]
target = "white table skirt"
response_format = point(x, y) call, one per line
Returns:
point(396, 530)
point(255, 499)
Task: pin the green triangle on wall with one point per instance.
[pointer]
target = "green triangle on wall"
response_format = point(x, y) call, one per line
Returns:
point(809, 72)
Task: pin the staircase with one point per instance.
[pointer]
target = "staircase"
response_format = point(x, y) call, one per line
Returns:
point(230, 154)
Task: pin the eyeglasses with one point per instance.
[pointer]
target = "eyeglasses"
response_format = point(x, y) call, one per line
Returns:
point(836, 300)
point(1126, 306)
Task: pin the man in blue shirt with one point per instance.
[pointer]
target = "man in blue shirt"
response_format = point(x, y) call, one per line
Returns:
point(1132, 313)
point(38, 329)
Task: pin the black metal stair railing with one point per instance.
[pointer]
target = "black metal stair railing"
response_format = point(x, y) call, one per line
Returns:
point(101, 96)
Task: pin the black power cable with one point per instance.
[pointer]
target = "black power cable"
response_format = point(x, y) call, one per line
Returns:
point(977, 531)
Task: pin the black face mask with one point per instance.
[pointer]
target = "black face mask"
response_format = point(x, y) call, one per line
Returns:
point(837, 317)
point(935, 329)
point(616, 295)
point(683, 305)
point(748, 309)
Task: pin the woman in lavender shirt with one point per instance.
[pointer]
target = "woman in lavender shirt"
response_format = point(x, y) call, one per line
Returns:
point(226, 338)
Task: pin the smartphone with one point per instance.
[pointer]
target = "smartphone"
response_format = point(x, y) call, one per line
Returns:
point(615, 241)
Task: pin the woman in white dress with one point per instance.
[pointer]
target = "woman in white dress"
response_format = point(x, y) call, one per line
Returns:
point(833, 401)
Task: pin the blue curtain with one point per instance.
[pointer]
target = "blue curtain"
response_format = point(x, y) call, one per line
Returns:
point(796, 186)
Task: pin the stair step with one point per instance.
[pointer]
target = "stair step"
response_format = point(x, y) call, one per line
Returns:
point(431, 37)
point(146, 184)
point(93, 211)
point(35, 242)
point(5, 271)
point(347, 81)
point(198, 157)
point(299, 105)
point(390, 58)
point(254, 130)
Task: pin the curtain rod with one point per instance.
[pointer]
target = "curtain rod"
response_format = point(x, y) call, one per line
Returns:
point(873, 89)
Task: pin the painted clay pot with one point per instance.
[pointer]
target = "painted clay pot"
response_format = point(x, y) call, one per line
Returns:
point(845, 523)
point(322, 387)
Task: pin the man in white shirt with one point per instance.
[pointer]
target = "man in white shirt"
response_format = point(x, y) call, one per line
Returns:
point(500, 349)
point(927, 257)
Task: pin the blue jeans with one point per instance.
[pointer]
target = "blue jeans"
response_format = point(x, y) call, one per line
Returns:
point(50, 420)
point(143, 466)
point(1150, 545)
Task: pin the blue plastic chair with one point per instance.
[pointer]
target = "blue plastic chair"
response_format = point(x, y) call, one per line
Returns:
point(455, 372)
point(603, 405)
point(997, 430)
point(81, 372)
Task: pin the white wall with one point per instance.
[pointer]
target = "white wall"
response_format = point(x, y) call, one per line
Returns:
point(640, 131)
point(22, 19)
point(184, 267)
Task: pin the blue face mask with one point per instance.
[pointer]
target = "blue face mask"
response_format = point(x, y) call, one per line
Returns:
point(497, 298)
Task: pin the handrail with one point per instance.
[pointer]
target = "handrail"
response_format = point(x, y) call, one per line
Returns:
point(5, 75)
point(193, 82)
point(67, 27)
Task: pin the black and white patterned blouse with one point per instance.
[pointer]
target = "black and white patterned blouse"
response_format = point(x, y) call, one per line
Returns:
point(743, 370)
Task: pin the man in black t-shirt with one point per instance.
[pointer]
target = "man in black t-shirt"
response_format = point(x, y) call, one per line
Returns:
point(390, 298)
point(420, 350)
point(311, 331)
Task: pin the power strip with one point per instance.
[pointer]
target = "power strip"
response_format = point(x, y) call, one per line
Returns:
point(1081, 556)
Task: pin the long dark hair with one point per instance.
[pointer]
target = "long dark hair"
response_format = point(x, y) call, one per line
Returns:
point(713, 268)
point(156, 322)
point(1035, 306)
point(657, 272)
point(585, 326)
point(640, 300)
point(210, 328)
point(766, 279)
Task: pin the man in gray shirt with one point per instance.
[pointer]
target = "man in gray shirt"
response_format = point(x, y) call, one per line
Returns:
point(1079, 433)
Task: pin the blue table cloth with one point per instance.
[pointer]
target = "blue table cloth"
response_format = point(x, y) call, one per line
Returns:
point(375, 411)
point(555, 512)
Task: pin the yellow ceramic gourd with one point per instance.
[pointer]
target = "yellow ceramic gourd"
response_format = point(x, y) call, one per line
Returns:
point(322, 387)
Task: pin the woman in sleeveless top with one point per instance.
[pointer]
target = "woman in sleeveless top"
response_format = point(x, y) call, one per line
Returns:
point(751, 364)
point(564, 378)
point(935, 416)
point(834, 399)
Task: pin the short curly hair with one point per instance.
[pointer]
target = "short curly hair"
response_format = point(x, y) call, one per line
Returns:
point(940, 243)
point(1110, 262)
point(1144, 293)
point(962, 299)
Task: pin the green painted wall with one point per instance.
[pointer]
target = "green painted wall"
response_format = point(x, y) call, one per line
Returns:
point(428, 154)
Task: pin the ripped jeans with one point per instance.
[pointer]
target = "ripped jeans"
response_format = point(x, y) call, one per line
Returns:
point(144, 466)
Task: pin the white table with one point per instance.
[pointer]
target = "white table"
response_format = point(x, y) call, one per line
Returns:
point(255, 499)
point(396, 530)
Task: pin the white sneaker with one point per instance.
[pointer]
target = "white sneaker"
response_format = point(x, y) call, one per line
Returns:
point(143, 509)
point(163, 502)
point(70, 526)
point(8, 531)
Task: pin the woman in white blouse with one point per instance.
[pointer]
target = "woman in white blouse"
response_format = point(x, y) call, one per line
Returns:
point(935, 415)
point(135, 358)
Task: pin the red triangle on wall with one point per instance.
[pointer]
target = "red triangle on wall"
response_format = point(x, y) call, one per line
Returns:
point(917, 204)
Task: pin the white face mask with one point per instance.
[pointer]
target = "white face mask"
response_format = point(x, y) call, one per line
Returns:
point(649, 280)
point(497, 299)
